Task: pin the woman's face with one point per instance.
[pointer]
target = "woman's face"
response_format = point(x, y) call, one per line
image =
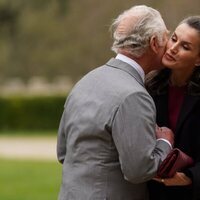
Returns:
point(183, 49)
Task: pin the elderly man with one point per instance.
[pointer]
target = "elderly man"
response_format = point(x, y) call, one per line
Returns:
point(108, 142)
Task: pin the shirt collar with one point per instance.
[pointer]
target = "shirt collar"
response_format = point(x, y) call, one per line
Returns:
point(131, 62)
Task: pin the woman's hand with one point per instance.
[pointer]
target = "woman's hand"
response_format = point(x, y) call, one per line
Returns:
point(179, 179)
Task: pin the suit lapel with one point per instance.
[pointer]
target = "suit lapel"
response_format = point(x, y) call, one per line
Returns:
point(188, 105)
point(126, 68)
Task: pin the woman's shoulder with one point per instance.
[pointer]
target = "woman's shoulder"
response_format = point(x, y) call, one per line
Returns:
point(157, 82)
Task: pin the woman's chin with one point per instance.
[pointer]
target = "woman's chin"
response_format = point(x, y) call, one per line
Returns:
point(167, 63)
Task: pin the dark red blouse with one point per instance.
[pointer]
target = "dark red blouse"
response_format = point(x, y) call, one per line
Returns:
point(175, 100)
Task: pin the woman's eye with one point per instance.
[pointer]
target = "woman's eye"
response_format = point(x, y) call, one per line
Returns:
point(186, 47)
point(173, 39)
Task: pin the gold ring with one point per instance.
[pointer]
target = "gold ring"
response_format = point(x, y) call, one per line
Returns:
point(162, 180)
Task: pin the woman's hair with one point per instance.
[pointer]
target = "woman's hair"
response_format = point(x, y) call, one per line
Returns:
point(157, 81)
point(143, 23)
point(193, 22)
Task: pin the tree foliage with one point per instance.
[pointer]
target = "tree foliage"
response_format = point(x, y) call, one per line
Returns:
point(66, 37)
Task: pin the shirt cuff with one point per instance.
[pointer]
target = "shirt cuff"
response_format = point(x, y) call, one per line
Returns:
point(166, 142)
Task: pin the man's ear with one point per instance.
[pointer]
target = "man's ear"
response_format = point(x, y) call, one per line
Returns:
point(154, 44)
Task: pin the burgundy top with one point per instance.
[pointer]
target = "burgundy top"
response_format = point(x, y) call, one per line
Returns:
point(175, 100)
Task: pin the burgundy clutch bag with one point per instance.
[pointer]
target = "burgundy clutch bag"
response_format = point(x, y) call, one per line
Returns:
point(175, 161)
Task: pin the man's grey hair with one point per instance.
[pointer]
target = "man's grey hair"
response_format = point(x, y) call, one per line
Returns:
point(133, 29)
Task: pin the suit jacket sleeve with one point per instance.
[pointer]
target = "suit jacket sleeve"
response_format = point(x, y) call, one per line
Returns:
point(134, 136)
point(61, 139)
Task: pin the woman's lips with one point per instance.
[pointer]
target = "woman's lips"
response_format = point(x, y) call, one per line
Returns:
point(169, 57)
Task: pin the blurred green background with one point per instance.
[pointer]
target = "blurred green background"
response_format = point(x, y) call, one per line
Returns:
point(46, 46)
point(56, 38)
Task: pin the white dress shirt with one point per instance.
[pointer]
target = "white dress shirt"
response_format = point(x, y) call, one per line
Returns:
point(134, 64)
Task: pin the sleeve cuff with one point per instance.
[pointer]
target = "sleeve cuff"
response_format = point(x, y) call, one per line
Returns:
point(165, 141)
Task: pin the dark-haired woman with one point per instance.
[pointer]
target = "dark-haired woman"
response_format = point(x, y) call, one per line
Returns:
point(176, 92)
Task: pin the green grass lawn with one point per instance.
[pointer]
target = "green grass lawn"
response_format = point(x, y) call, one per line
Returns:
point(29, 180)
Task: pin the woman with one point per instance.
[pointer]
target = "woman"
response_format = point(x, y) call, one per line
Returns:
point(176, 92)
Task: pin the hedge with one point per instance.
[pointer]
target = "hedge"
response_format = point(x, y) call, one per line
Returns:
point(31, 113)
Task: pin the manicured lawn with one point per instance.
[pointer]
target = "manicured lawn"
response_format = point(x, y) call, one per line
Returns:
point(29, 180)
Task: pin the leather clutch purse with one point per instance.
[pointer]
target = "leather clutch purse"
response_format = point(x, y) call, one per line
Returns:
point(175, 161)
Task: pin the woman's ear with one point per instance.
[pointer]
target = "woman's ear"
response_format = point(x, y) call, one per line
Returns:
point(154, 44)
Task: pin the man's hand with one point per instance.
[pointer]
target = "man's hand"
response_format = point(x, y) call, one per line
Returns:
point(165, 133)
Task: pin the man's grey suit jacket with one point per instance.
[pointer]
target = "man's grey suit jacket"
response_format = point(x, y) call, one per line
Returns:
point(106, 138)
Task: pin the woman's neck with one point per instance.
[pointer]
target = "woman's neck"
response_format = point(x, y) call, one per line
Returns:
point(179, 78)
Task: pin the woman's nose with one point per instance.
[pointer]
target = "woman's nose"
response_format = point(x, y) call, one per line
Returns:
point(174, 48)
